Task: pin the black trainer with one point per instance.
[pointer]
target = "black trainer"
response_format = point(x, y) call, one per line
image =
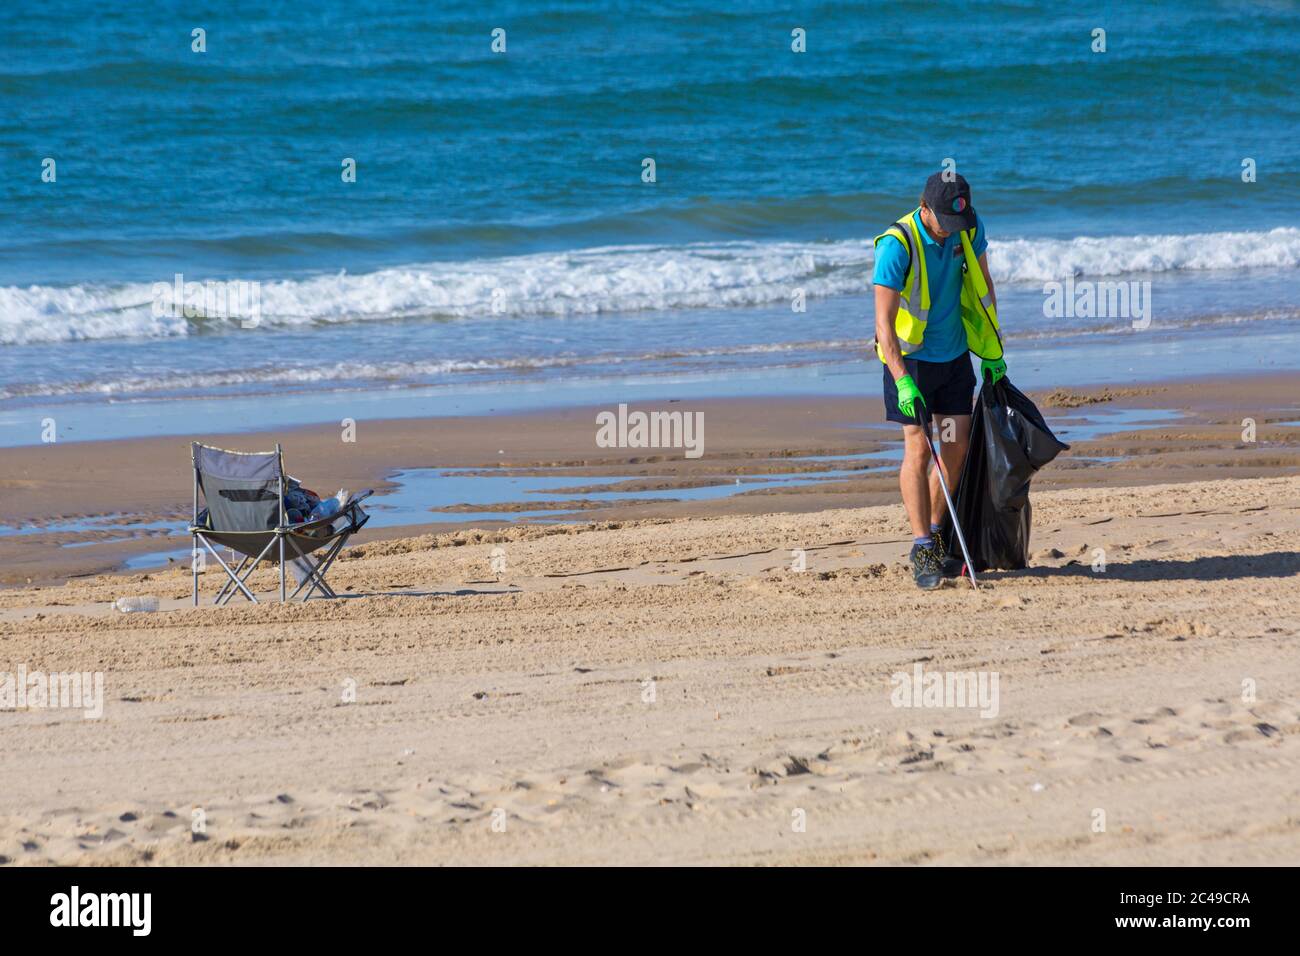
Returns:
point(925, 567)
point(949, 566)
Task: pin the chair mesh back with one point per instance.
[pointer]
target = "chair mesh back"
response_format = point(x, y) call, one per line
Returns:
point(242, 490)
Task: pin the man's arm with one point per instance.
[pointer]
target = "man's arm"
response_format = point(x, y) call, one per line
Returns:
point(887, 300)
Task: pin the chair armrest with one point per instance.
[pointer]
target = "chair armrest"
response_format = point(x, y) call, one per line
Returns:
point(357, 498)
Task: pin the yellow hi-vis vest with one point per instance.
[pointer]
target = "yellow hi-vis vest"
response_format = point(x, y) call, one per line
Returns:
point(978, 314)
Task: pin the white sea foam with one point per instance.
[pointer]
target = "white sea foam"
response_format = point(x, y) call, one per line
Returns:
point(1042, 260)
point(610, 280)
point(124, 385)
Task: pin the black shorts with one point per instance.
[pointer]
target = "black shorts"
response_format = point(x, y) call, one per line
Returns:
point(947, 387)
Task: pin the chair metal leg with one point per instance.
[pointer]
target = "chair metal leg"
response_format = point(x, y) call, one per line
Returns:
point(226, 597)
point(316, 574)
point(251, 568)
point(224, 587)
point(281, 537)
point(194, 566)
point(324, 567)
point(225, 567)
point(312, 578)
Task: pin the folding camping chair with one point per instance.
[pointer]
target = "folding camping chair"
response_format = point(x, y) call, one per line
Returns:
point(244, 493)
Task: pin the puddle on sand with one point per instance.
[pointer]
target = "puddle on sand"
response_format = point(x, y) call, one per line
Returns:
point(1096, 423)
point(421, 491)
point(156, 559)
point(1100, 422)
point(124, 523)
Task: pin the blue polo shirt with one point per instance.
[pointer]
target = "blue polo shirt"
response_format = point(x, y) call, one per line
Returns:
point(945, 337)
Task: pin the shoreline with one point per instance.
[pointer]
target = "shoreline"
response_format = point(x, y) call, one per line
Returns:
point(148, 479)
point(843, 368)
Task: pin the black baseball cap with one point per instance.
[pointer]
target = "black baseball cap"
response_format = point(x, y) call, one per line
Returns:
point(950, 201)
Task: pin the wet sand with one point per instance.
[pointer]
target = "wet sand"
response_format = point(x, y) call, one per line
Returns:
point(148, 480)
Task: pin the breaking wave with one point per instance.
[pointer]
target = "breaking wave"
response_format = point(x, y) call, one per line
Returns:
point(611, 279)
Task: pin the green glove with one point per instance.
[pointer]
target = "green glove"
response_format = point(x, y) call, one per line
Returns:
point(997, 368)
point(908, 396)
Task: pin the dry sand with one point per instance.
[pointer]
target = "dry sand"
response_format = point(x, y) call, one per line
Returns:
point(672, 691)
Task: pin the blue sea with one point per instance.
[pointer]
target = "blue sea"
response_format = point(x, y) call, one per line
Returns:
point(501, 247)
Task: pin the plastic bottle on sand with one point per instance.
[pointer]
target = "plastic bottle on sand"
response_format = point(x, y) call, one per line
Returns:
point(128, 605)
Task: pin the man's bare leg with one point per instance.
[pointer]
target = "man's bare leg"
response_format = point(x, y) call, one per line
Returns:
point(913, 479)
point(954, 441)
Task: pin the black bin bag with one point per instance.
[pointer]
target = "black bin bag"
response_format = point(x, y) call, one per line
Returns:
point(1009, 442)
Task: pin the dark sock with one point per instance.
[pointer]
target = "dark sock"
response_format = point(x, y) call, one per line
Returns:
point(934, 529)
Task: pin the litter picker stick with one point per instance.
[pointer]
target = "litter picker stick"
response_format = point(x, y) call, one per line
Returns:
point(961, 538)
